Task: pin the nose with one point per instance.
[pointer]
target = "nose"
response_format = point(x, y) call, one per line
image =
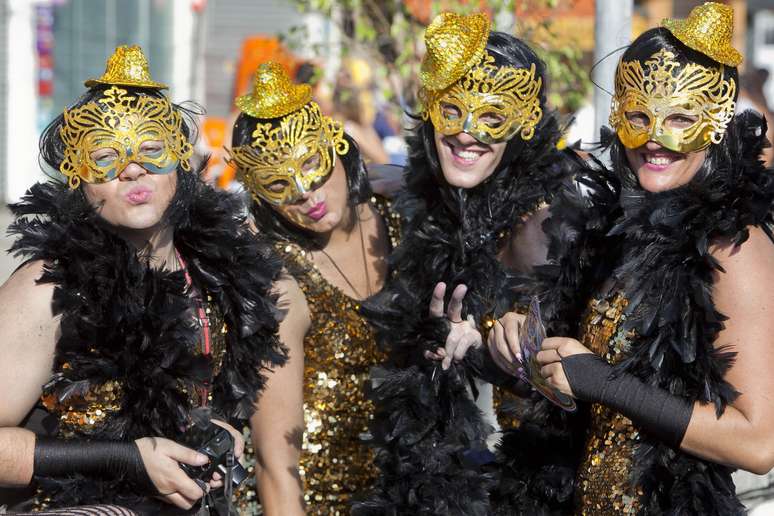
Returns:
point(653, 146)
point(465, 139)
point(131, 172)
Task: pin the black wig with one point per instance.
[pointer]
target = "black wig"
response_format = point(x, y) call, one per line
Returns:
point(268, 220)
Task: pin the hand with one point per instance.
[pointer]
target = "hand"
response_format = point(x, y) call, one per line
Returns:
point(239, 449)
point(550, 357)
point(161, 458)
point(503, 342)
point(462, 336)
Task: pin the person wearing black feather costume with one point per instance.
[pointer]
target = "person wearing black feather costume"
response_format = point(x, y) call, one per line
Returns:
point(144, 307)
point(312, 199)
point(483, 163)
point(666, 274)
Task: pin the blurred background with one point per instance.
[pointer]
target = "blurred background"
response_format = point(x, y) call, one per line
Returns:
point(360, 56)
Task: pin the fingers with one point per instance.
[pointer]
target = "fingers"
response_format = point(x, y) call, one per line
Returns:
point(501, 357)
point(239, 440)
point(452, 341)
point(553, 342)
point(511, 326)
point(185, 455)
point(437, 355)
point(548, 356)
point(436, 302)
point(550, 370)
point(454, 311)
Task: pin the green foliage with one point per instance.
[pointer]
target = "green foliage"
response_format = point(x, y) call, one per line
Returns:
point(387, 34)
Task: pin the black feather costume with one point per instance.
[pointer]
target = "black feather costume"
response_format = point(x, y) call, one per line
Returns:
point(656, 246)
point(430, 435)
point(127, 323)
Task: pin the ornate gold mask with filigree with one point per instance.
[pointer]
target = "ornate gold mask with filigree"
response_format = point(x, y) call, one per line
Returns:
point(285, 161)
point(121, 123)
point(491, 103)
point(684, 108)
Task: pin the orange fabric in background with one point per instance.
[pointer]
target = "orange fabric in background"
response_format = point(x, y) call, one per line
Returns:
point(256, 50)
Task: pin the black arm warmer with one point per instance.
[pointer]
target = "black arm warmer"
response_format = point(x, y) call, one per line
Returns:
point(57, 458)
point(650, 408)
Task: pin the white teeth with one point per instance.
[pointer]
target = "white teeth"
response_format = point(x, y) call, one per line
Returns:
point(660, 161)
point(467, 155)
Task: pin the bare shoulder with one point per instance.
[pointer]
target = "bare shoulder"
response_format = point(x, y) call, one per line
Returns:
point(22, 293)
point(750, 264)
point(291, 301)
point(744, 289)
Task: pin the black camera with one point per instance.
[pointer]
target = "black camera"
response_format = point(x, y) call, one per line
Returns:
point(216, 443)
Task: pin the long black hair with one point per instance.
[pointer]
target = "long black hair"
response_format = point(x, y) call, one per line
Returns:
point(269, 221)
point(52, 147)
point(641, 49)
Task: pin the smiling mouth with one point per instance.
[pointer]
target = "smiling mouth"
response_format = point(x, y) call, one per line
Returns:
point(660, 160)
point(464, 155)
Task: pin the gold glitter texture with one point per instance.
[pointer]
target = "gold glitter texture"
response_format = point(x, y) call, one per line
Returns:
point(663, 89)
point(273, 94)
point(339, 352)
point(708, 29)
point(454, 44)
point(121, 122)
point(284, 161)
point(603, 484)
point(127, 67)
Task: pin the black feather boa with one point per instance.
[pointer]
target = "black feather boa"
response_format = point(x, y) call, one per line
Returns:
point(657, 248)
point(429, 433)
point(123, 320)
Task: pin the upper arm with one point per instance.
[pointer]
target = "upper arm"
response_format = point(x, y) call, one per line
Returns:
point(277, 425)
point(745, 294)
point(528, 246)
point(28, 330)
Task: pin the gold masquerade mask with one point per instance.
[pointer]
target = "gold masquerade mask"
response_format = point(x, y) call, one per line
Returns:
point(684, 108)
point(285, 161)
point(490, 103)
point(122, 126)
point(463, 90)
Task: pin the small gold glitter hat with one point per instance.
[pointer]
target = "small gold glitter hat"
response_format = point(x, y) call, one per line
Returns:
point(274, 94)
point(127, 67)
point(708, 29)
point(454, 45)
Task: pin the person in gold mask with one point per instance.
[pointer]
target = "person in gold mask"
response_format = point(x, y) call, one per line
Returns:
point(672, 289)
point(311, 197)
point(130, 332)
point(483, 163)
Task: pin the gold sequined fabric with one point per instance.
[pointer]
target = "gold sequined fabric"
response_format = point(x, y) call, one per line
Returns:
point(709, 29)
point(604, 485)
point(128, 66)
point(339, 352)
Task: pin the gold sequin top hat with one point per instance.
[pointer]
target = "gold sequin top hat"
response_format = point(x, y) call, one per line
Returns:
point(454, 45)
point(274, 94)
point(708, 29)
point(127, 67)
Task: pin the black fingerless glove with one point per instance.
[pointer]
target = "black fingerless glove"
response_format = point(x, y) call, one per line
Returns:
point(57, 458)
point(650, 408)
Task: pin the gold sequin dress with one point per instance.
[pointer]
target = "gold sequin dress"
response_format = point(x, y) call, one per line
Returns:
point(339, 352)
point(604, 485)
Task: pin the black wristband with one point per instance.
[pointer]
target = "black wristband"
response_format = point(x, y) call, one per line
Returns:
point(58, 458)
point(650, 408)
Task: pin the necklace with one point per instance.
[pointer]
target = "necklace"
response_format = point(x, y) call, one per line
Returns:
point(365, 264)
